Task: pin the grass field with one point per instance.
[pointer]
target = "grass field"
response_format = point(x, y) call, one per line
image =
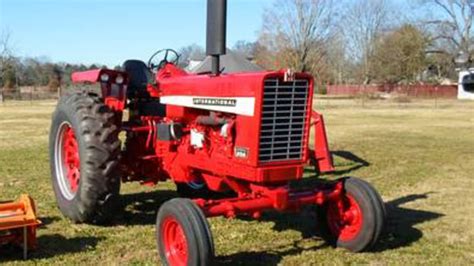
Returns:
point(419, 157)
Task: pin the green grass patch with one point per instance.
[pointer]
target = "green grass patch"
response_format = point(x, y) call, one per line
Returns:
point(419, 155)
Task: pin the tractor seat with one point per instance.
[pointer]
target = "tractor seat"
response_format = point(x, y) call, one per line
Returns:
point(138, 77)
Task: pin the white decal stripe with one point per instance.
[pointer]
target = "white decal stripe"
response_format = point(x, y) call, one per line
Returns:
point(243, 106)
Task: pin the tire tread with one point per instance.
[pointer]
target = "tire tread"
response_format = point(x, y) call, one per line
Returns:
point(95, 125)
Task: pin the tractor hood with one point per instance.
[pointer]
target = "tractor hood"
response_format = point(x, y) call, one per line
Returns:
point(232, 93)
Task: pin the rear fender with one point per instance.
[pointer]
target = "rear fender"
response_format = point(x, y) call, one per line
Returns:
point(113, 85)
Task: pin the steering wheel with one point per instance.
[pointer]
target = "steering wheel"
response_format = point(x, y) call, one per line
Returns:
point(160, 58)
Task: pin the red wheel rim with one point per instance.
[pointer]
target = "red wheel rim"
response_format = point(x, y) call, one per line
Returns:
point(71, 159)
point(345, 218)
point(174, 241)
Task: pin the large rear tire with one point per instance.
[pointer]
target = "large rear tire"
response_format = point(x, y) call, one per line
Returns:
point(183, 234)
point(84, 150)
point(355, 221)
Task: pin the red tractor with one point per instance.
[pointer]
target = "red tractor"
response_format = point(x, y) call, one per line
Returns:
point(233, 144)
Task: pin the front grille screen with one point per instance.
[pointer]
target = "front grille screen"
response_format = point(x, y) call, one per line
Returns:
point(284, 109)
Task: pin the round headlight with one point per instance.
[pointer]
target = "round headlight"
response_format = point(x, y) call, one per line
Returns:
point(119, 79)
point(104, 77)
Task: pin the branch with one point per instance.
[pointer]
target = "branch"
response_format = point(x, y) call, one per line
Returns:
point(435, 52)
point(449, 11)
point(441, 22)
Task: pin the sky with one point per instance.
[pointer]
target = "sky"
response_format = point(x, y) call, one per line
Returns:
point(112, 31)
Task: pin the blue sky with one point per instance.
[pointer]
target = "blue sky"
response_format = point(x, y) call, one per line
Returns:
point(111, 31)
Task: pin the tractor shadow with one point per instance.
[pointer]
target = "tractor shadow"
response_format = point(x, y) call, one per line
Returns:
point(141, 208)
point(347, 163)
point(399, 231)
point(49, 246)
point(399, 225)
point(264, 258)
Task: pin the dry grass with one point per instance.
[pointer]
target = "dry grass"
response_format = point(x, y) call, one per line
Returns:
point(418, 156)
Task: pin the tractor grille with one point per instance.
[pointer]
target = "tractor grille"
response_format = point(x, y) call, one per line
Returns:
point(284, 111)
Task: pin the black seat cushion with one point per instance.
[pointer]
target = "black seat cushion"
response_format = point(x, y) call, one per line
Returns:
point(138, 77)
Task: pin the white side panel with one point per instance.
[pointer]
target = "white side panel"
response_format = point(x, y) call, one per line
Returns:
point(235, 105)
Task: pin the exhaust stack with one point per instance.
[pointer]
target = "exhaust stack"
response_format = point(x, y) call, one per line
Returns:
point(216, 32)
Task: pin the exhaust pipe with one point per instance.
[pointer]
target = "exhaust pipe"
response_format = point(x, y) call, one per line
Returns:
point(216, 32)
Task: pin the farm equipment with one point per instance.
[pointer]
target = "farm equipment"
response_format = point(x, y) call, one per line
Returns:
point(233, 144)
point(18, 223)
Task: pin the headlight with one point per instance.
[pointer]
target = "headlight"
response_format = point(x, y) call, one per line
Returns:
point(104, 77)
point(119, 79)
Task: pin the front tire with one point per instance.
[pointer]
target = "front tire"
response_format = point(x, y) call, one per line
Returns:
point(183, 234)
point(355, 220)
point(84, 150)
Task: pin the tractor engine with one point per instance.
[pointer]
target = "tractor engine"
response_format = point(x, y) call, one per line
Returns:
point(251, 126)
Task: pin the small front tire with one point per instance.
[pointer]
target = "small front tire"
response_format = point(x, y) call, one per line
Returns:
point(355, 220)
point(183, 234)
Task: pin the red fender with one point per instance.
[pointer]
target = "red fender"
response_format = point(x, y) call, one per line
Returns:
point(114, 91)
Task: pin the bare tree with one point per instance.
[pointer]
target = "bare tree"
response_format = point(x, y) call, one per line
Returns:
point(456, 25)
point(5, 43)
point(245, 48)
point(6, 62)
point(296, 31)
point(336, 59)
point(190, 53)
point(5, 48)
point(364, 22)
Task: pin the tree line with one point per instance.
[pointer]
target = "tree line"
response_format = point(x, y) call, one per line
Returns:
point(363, 41)
point(39, 72)
point(352, 42)
point(367, 41)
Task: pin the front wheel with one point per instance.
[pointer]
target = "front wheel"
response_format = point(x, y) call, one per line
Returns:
point(183, 235)
point(355, 220)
